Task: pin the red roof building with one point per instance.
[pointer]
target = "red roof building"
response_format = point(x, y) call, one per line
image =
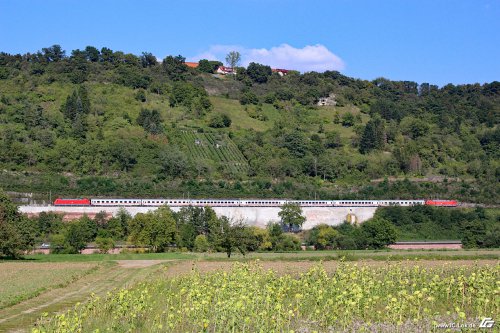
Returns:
point(280, 71)
point(191, 64)
point(225, 70)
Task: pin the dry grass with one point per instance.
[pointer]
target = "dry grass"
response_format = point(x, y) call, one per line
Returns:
point(24, 280)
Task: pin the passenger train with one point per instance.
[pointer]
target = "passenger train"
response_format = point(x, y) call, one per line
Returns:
point(115, 202)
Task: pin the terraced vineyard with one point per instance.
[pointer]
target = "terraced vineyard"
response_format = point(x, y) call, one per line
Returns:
point(216, 147)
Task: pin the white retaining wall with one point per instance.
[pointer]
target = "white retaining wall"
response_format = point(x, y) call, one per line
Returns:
point(258, 216)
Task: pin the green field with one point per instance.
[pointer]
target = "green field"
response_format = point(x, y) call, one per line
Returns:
point(97, 257)
point(29, 279)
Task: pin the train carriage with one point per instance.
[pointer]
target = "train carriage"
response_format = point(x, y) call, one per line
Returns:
point(116, 202)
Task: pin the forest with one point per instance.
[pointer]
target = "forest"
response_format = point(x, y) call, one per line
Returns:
point(97, 122)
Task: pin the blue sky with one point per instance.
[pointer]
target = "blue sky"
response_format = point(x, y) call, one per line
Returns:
point(434, 41)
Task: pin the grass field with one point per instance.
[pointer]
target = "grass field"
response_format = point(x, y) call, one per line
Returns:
point(107, 257)
point(108, 277)
point(25, 280)
point(249, 298)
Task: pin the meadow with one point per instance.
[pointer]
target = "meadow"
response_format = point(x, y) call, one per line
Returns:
point(24, 280)
point(249, 298)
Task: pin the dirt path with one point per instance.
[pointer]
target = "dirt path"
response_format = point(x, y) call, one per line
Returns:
point(140, 263)
point(21, 317)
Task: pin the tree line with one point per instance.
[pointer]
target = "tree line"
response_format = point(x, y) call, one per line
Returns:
point(199, 229)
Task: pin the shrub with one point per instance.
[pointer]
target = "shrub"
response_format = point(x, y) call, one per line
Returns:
point(219, 120)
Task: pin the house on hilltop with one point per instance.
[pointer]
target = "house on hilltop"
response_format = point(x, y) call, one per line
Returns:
point(225, 70)
point(191, 64)
point(281, 72)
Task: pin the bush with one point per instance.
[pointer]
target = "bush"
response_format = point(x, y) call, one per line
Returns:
point(249, 98)
point(287, 242)
point(378, 233)
point(104, 244)
point(219, 120)
point(140, 95)
point(201, 244)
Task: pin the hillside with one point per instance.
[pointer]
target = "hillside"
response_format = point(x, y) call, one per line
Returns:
point(101, 122)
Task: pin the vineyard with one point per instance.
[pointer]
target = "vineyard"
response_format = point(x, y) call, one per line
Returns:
point(215, 147)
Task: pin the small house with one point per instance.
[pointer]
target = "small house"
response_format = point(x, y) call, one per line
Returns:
point(225, 70)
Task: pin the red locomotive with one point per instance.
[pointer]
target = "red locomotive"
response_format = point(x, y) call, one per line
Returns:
point(441, 203)
point(72, 202)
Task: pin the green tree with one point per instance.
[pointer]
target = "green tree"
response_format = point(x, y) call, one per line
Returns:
point(58, 243)
point(148, 59)
point(173, 162)
point(54, 53)
point(219, 120)
point(17, 233)
point(473, 234)
point(288, 242)
point(124, 218)
point(76, 236)
point(323, 236)
point(373, 135)
point(233, 58)
point(201, 244)
point(414, 127)
point(92, 54)
point(207, 66)
point(140, 95)
point(104, 244)
point(233, 236)
point(492, 238)
point(75, 109)
point(151, 121)
point(259, 73)
point(154, 229)
point(348, 119)
point(175, 67)
point(333, 140)
point(49, 223)
point(378, 233)
point(291, 216)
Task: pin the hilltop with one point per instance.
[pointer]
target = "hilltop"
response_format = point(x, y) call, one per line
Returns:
point(105, 123)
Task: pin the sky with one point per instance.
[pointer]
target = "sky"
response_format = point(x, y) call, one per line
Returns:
point(435, 41)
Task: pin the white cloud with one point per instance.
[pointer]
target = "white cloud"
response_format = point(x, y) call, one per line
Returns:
point(309, 58)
